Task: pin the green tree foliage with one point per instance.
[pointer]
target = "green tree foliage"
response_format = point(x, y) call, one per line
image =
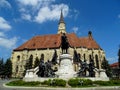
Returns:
point(8, 68)
point(1, 67)
point(37, 62)
point(75, 57)
point(42, 57)
point(78, 82)
point(54, 58)
point(106, 66)
point(29, 63)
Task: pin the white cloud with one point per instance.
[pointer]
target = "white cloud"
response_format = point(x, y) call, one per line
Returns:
point(76, 13)
point(4, 25)
point(51, 13)
point(2, 34)
point(29, 2)
point(75, 29)
point(26, 17)
point(31, 6)
point(8, 43)
point(35, 2)
point(5, 3)
point(41, 10)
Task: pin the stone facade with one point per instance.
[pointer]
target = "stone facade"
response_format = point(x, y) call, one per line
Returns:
point(19, 58)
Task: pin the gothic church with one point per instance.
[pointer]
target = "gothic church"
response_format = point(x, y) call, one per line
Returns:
point(45, 45)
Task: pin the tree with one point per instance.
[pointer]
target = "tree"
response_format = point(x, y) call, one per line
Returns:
point(54, 58)
point(36, 62)
point(1, 67)
point(75, 57)
point(29, 63)
point(8, 68)
point(42, 57)
point(106, 66)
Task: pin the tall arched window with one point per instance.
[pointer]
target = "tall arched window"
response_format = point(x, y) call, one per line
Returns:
point(79, 55)
point(97, 61)
point(17, 69)
point(18, 58)
point(90, 57)
point(30, 61)
point(84, 57)
point(42, 57)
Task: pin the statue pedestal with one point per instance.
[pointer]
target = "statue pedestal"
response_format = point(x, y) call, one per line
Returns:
point(103, 75)
point(65, 69)
point(31, 74)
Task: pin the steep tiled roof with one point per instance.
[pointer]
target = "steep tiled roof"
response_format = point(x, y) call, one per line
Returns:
point(114, 65)
point(73, 40)
point(54, 41)
point(88, 42)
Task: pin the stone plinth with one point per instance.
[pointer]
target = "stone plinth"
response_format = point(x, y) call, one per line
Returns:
point(65, 69)
point(31, 74)
point(103, 75)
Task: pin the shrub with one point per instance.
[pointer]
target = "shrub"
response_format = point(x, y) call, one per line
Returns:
point(77, 82)
point(58, 82)
point(47, 82)
point(87, 82)
point(103, 83)
point(22, 83)
point(54, 82)
point(115, 82)
point(73, 82)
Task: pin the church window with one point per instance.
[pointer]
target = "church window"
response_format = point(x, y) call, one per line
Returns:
point(16, 69)
point(90, 57)
point(18, 58)
point(42, 57)
point(79, 55)
point(97, 62)
point(30, 62)
point(84, 57)
point(31, 57)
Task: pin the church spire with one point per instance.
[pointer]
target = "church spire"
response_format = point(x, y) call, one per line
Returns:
point(61, 17)
point(61, 26)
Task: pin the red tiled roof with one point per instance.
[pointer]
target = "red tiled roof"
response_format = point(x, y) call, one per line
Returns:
point(114, 65)
point(54, 41)
point(88, 42)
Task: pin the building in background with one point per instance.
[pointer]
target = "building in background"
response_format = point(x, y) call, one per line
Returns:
point(116, 67)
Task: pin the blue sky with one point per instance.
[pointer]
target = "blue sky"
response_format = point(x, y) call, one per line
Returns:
point(20, 20)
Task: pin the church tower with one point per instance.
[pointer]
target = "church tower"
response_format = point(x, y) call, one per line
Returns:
point(61, 26)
